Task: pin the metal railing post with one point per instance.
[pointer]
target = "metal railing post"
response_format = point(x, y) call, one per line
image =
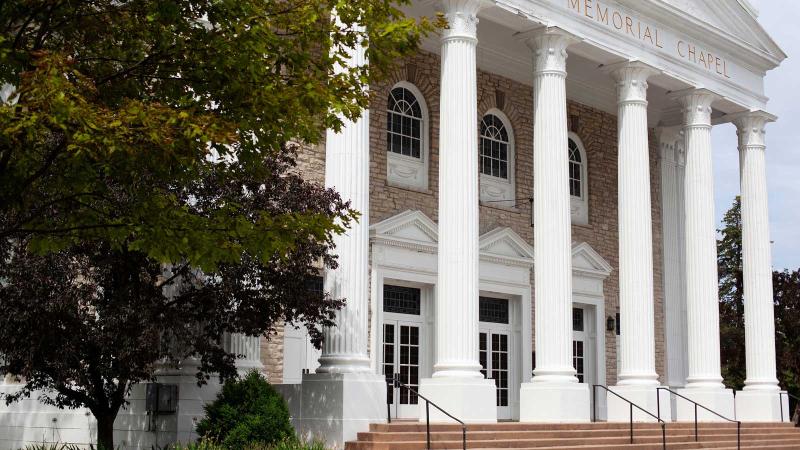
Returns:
point(464, 436)
point(594, 403)
point(738, 435)
point(428, 421)
point(780, 402)
point(663, 436)
point(658, 404)
point(695, 423)
point(631, 417)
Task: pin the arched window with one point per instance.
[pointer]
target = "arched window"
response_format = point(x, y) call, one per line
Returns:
point(575, 170)
point(494, 147)
point(578, 185)
point(407, 137)
point(496, 164)
point(404, 130)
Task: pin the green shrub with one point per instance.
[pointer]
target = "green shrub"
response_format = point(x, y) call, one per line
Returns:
point(246, 411)
point(284, 444)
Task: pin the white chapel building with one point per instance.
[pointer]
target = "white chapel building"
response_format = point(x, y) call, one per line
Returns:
point(537, 199)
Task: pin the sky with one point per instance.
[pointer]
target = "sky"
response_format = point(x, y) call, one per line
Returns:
point(780, 18)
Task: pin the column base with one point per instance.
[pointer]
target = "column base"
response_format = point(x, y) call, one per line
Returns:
point(473, 400)
point(554, 402)
point(335, 407)
point(759, 406)
point(719, 400)
point(649, 398)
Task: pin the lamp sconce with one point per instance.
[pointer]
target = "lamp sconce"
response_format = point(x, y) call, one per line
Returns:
point(610, 324)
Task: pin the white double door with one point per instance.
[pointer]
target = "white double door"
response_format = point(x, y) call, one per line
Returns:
point(495, 355)
point(404, 344)
point(583, 344)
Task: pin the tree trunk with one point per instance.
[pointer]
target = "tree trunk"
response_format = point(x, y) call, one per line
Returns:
point(105, 432)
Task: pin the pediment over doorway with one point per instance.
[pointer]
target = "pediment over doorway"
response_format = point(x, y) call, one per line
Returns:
point(586, 261)
point(409, 228)
point(504, 243)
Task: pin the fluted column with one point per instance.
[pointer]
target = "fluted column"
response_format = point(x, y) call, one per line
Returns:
point(637, 340)
point(247, 349)
point(702, 294)
point(457, 384)
point(554, 394)
point(552, 235)
point(344, 349)
point(759, 321)
point(457, 286)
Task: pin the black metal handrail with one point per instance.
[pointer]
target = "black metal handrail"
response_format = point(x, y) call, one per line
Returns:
point(395, 382)
point(696, 435)
point(631, 405)
point(780, 401)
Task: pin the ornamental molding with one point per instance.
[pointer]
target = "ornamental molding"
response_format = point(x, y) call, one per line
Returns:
point(587, 262)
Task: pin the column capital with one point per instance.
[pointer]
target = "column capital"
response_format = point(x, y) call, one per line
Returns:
point(631, 78)
point(671, 141)
point(549, 46)
point(696, 104)
point(751, 127)
point(462, 18)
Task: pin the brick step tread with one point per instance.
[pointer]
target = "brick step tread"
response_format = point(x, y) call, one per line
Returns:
point(566, 434)
point(690, 445)
point(417, 426)
point(619, 442)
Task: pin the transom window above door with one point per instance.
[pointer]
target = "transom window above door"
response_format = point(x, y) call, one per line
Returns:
point(401, 299)
point(493, 310)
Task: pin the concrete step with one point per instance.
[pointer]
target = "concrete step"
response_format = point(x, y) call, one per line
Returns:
point(420, 426)
point(539, 434)
point(584, 436)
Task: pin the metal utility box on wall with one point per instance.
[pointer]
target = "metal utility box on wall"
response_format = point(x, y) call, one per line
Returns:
point(161, 398)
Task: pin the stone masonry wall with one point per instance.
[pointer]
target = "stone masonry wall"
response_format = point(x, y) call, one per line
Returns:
point(597, 130)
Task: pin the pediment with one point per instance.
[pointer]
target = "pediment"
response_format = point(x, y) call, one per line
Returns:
point(410, 226)
point(587, 261)
point(504, 242)
point(737, 18)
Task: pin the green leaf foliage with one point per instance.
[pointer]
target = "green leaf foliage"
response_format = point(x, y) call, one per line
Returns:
point(246, 411)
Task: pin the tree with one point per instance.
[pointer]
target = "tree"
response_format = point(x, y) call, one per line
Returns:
point(134, 92)
point(87, 322)
point(786, 285)
point(786, 294)
point(149, 202)
point(731, 299)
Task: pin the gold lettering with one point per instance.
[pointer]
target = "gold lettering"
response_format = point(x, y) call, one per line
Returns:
point(587, 8)
point(702, 59)
point(647, 34)
point(602, 16)
point(716, 65)
point(575, 4)
point(658, 44)
point(614, 18)
point(679, 49)
point(725, 68)
point(639, 28)
point(692, 54)
point(629, 25)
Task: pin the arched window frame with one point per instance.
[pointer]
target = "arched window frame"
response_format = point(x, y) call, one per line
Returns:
point(407, 171)
point(579, 206)
point(496, 191)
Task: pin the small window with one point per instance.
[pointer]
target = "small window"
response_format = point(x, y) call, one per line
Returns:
point(575, 170)
point(401, 300)
point(493, 310)
point(577, 319)
point(494, 146)
point(404, 127)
